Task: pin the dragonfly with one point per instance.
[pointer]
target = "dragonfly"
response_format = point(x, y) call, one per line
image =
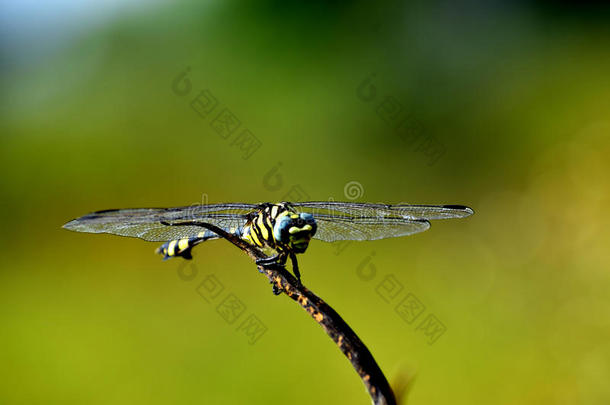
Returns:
point(283, 229)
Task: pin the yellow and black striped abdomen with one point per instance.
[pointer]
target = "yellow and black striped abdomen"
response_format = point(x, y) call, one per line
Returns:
point(258, 231)
point(182, 247)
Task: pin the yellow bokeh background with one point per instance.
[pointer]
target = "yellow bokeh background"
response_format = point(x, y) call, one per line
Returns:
point(516, 97)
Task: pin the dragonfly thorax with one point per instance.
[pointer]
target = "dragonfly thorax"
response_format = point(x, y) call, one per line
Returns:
point(294, 230)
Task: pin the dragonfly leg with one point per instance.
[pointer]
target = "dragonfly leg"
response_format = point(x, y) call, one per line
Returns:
point(268, 260)
point(295, 267)
point(276, 290)
point(273, 261)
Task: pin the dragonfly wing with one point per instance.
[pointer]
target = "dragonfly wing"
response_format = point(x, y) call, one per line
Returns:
point(145, 223)
point(409, 211)
point(366, 221)
point(333, 228)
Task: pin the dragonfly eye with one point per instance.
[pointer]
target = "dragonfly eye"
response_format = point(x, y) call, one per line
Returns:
point(295, 230)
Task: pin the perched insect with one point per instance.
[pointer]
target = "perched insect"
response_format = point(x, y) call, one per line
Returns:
point(285, 229)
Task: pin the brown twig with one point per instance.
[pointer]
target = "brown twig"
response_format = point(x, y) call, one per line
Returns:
point(339, 331)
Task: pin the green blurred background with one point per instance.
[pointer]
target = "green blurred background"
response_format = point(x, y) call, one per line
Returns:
point(504, 107)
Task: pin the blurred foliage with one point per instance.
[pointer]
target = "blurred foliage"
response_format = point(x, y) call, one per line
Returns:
point(516, 95)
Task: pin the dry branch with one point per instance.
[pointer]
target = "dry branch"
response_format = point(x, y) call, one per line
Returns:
point(339, 331)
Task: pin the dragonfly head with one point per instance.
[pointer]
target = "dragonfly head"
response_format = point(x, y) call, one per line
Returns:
point(295, 230)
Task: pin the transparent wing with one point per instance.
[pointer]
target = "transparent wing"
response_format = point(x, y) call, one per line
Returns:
point(366, 221)
point(408, 211)
point(145, 223)
point(333, 228)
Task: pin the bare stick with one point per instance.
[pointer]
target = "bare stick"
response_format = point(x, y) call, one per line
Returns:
point(339, 331)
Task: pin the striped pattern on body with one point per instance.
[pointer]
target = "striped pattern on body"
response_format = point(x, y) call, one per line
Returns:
point(182, 247)
point(258, 231)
